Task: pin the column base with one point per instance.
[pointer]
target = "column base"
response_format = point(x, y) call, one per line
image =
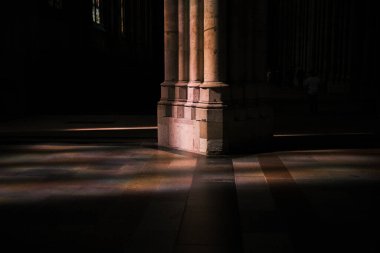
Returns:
point(216, 131)
point(202, 132)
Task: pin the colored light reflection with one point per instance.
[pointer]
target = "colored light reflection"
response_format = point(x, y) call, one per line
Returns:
point(32, 173)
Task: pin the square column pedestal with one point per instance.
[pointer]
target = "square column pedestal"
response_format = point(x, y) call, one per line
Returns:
point(213, 129)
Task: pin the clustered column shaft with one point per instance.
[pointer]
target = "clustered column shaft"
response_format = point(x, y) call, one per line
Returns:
point(171, 51)
point(193, 58)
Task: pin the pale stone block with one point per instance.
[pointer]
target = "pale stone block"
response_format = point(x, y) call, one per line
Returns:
point(174, 111)
point(202, 145)
point(204, 95)
point(180, 134)
point(188, 112)
point(172, 133)
point(190, 94)
point(203, 129)
point(186, 137)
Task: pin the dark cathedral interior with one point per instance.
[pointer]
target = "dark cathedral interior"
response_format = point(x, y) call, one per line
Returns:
point(96, 123)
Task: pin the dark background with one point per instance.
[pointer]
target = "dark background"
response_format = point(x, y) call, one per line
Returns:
point(57, 61)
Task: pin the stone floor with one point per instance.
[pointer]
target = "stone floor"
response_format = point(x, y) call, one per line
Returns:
point(135, 197)
point(100, 184)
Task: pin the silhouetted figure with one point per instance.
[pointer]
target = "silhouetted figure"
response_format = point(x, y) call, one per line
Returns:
point(312, 84)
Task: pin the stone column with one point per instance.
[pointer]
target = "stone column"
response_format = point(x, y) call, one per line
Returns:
point(214, 53)
point(196, 57)
point(214, 67)
point(210, 112)
point(165, 106)
point(171, 52)
point(183, 58)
